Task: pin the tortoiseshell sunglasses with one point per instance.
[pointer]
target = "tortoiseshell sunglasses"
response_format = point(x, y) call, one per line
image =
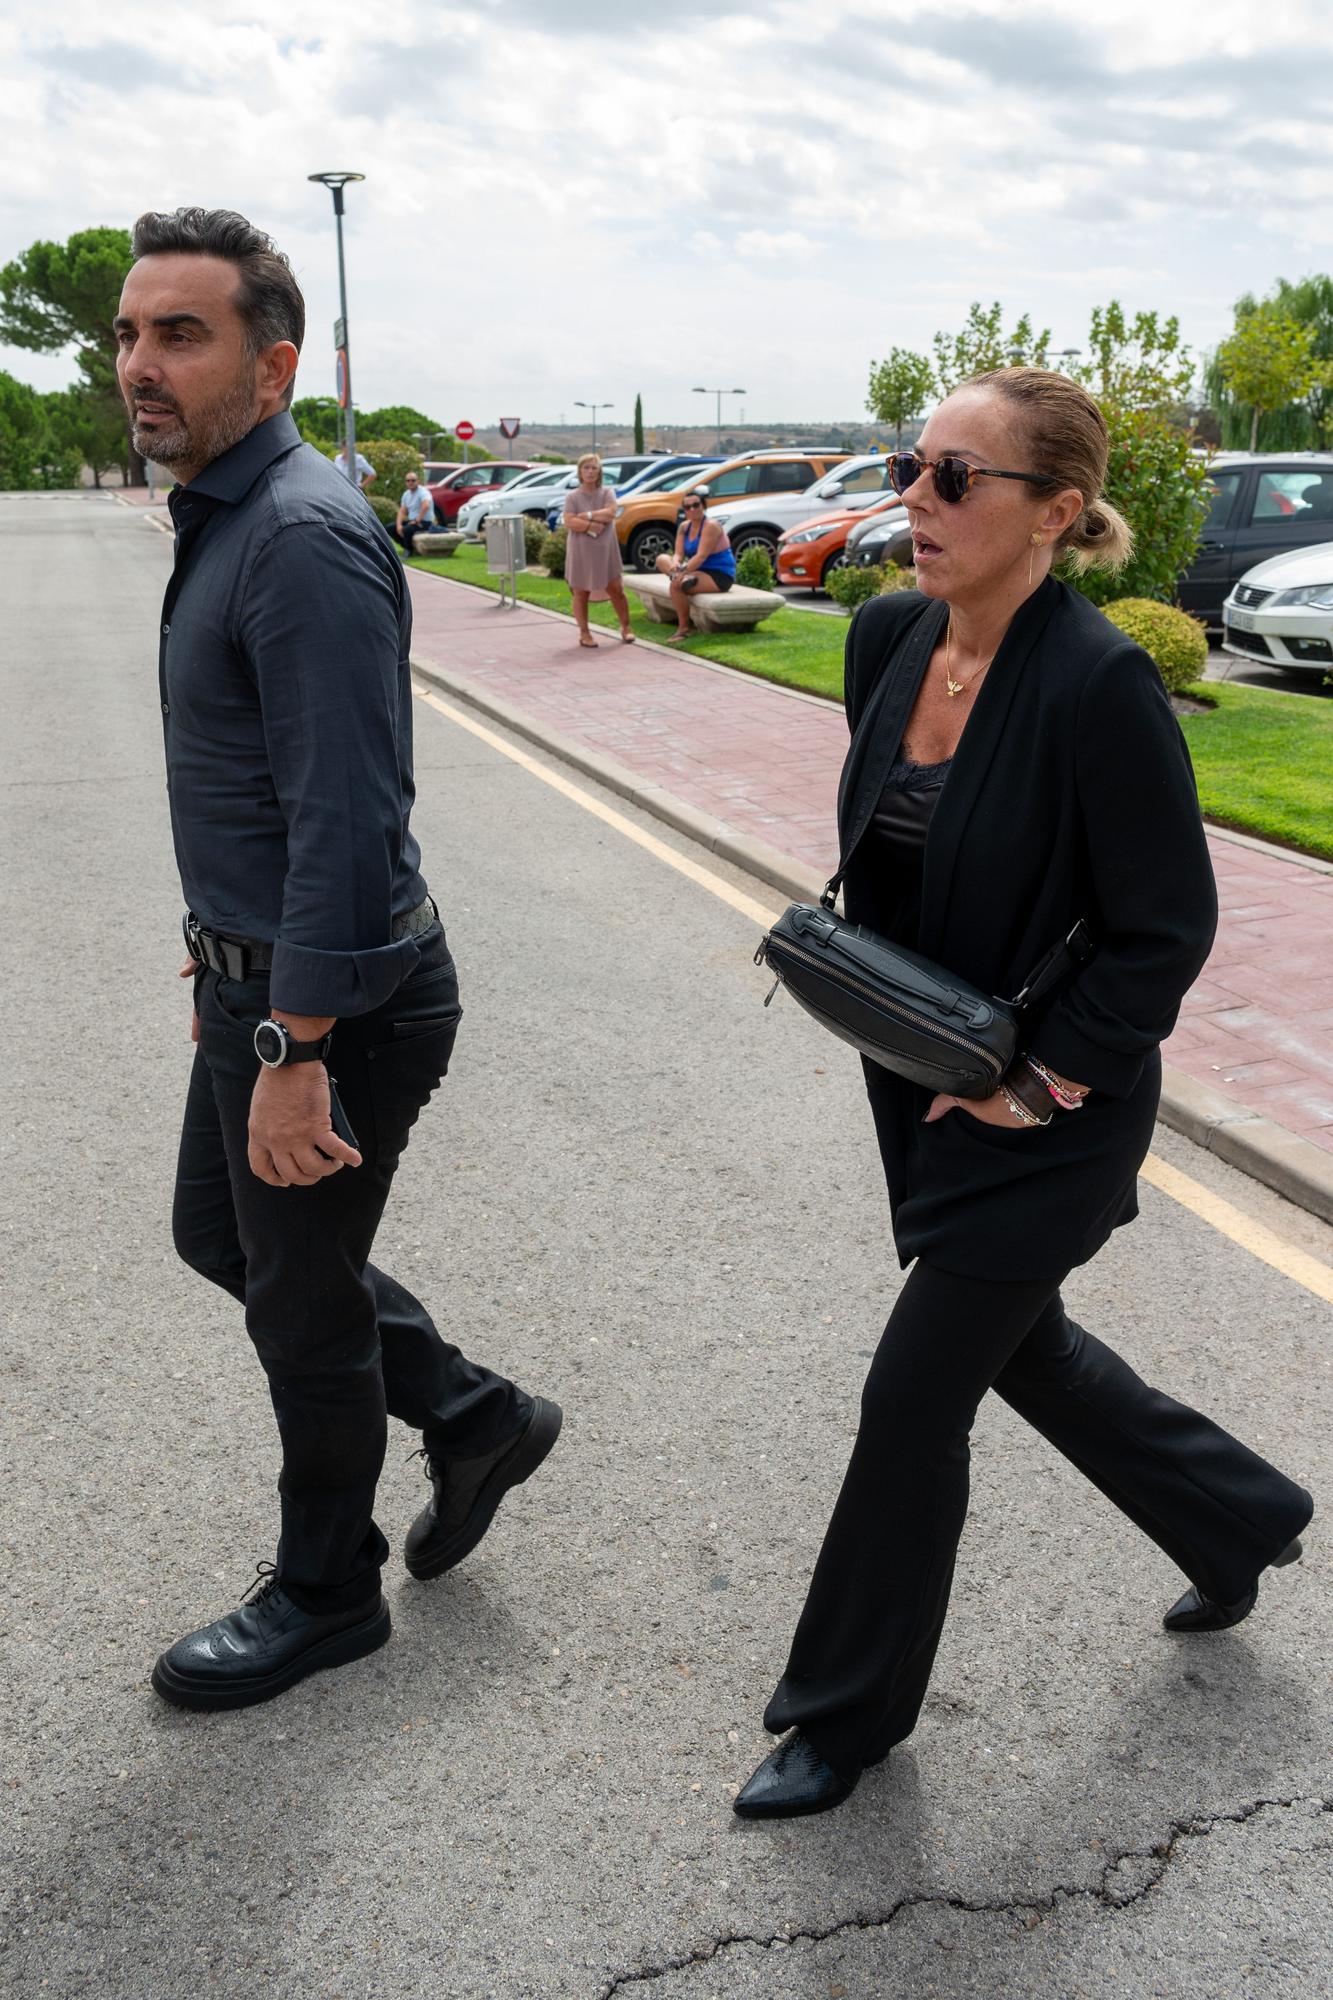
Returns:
point(953, 475)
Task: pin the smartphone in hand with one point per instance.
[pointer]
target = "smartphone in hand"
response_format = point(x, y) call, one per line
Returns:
point(338, 1118)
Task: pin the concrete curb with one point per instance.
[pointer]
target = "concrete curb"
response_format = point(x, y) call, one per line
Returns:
point(1269, 1153)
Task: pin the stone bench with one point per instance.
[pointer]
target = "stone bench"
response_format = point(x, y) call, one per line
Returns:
point(736, 610)
point(436, 543)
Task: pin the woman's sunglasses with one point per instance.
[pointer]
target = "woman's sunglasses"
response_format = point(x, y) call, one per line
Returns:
point(691, 505)
point(953, 476)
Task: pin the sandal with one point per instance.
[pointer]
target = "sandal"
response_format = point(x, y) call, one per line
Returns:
point(589, 642)
point(627, 638)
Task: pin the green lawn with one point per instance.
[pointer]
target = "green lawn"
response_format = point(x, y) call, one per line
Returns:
point(800, 649)
point(1265, 764)
point(1264, 761)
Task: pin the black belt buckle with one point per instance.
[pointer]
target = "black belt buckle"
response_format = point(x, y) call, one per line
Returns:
point(190, 929)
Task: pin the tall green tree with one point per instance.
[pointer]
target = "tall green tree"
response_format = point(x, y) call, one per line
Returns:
point(1136, 364)
point(1301, 424)
point(983, 344)
point(638, 423)
point(58, 295)
point(900, 388)
point(316, 417)
point(400, 421)
point(1270, 362)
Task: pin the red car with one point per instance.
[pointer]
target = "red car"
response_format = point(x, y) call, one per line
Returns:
point(465, 481)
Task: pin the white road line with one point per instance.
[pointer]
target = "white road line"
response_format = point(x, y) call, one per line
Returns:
point(1228, 1220)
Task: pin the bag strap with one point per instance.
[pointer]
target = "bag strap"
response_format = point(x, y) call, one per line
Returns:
point(1063, 958)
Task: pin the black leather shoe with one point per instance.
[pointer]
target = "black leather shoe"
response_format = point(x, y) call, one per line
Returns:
point(465, 1493)
point(1196, 1613)
point(792, 1780)
point(265, 1646)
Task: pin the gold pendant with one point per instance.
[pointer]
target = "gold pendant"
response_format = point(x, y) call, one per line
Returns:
point(951, 686)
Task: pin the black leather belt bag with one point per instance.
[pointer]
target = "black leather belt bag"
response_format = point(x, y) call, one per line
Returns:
point(237, 958)
point(907, 1014)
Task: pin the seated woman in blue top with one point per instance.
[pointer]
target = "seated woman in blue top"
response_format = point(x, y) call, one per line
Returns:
point(703, 562)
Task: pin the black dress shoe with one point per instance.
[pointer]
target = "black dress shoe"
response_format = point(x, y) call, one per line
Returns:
point(465, 1493)
point(1196, 1613)
point(793, 1779)
point(266, 1645)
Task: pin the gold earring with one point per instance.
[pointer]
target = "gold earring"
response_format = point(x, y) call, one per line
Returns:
point(1038, 542)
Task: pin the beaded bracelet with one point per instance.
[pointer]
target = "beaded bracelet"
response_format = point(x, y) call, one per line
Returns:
point(1020, 1111)
point(1068, 1098)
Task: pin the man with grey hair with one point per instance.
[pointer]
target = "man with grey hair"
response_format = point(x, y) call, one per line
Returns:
point(315, 952)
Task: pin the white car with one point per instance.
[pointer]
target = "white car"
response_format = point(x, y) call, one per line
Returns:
point(1282, 611)
point(757, 521)
point(512, 498)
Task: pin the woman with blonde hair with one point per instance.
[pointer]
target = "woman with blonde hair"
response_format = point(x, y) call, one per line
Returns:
point(1015, 772)
point(593, 568)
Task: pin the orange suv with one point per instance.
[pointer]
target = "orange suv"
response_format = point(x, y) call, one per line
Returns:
point(646, 524)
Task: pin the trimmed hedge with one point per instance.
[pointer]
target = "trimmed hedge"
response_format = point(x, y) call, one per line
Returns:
point(754, 571)
point(897, 577)
point(850, 587)
point(552, 553)
point(1176, 643)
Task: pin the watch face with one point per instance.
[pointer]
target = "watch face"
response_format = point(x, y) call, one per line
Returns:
point(270, 1043)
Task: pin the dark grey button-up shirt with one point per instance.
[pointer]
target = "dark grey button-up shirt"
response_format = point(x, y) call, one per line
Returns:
point(287, 711)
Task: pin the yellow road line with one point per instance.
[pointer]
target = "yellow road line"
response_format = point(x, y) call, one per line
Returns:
point(1256, 1237)
point(1228, 1220)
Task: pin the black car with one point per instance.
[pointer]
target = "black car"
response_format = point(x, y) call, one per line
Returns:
point(1264, 503)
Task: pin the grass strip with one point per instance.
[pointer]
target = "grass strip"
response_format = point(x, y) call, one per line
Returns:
point(1264, 761)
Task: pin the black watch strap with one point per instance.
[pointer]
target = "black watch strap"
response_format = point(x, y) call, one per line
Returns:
point(276, 1047)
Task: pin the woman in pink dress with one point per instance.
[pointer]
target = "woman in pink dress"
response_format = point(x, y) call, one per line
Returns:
point(592, 553)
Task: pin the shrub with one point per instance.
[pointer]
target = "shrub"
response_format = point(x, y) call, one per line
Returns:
point(1162, 491)
point(386, 509)
point(896, 577)
point(392, 462)
point(850, 587)
point(534, 539)
point(552, 553)
point(754, 570)
point(1177, 643)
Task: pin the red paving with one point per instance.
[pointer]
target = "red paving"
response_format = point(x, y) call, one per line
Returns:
point(1258, 1024)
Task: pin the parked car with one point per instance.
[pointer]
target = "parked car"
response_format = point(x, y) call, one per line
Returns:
point(472, 514)
point(649, 480)
point(457, 487)
point(1264, 504)
point(1282, 611)
point(757, 522)
point(646, 524)
point(436, 469)
point(811, 551)
point(885, 538)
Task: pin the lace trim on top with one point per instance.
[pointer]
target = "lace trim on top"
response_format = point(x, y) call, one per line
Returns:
point(907, 776)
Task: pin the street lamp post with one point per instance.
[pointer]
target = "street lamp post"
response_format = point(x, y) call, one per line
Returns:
point(719, 393)
point(1065, 355)
point(594, 407)
point(335, 183)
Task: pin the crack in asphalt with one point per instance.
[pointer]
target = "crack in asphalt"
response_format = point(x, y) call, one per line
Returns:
point(1158, 1857)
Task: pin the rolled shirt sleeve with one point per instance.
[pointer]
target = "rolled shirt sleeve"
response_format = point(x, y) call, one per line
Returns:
point(321, 626)
point(1156, 912)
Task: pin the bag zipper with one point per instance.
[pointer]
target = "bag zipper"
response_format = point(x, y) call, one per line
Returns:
point(839, 977)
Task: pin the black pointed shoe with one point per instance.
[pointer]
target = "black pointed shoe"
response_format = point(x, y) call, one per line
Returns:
point(465, 1493)
point(265, 1646)
point(792, 1780)
point(1196, 1613)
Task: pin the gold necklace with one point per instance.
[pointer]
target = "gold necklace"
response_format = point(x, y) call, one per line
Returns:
point(951, 686)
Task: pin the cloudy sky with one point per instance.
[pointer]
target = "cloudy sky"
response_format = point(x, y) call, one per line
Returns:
point(577, 199)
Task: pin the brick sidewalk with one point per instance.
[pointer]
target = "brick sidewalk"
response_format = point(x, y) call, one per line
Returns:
point(1258, 1024)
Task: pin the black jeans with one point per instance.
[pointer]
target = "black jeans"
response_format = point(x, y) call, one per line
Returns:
point(410, 529)
point(341, 1342)
point(865, 1644)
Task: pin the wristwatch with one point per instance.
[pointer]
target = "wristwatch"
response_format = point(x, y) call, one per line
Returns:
point(274, 1046)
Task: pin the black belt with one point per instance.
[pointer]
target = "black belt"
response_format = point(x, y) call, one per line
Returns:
point(237, 958)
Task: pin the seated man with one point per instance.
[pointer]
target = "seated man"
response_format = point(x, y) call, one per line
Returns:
point(416, 510)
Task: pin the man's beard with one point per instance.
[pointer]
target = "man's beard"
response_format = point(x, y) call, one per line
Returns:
point(211, 432)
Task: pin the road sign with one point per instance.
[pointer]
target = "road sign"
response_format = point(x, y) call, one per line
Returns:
point(342, 378)
point(465, 430)
point(509, 427)
point(340, 333)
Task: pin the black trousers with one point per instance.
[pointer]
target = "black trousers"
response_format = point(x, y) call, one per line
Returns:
point(341, 1342)
point(865, 1644)
point(411, 529)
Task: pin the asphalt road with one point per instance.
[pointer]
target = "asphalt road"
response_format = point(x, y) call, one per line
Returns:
point(644, 1195)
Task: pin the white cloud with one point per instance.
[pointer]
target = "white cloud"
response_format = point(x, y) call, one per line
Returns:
point(587, 202)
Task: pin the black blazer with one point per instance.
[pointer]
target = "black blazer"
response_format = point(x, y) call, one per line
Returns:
point(1071, 795)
